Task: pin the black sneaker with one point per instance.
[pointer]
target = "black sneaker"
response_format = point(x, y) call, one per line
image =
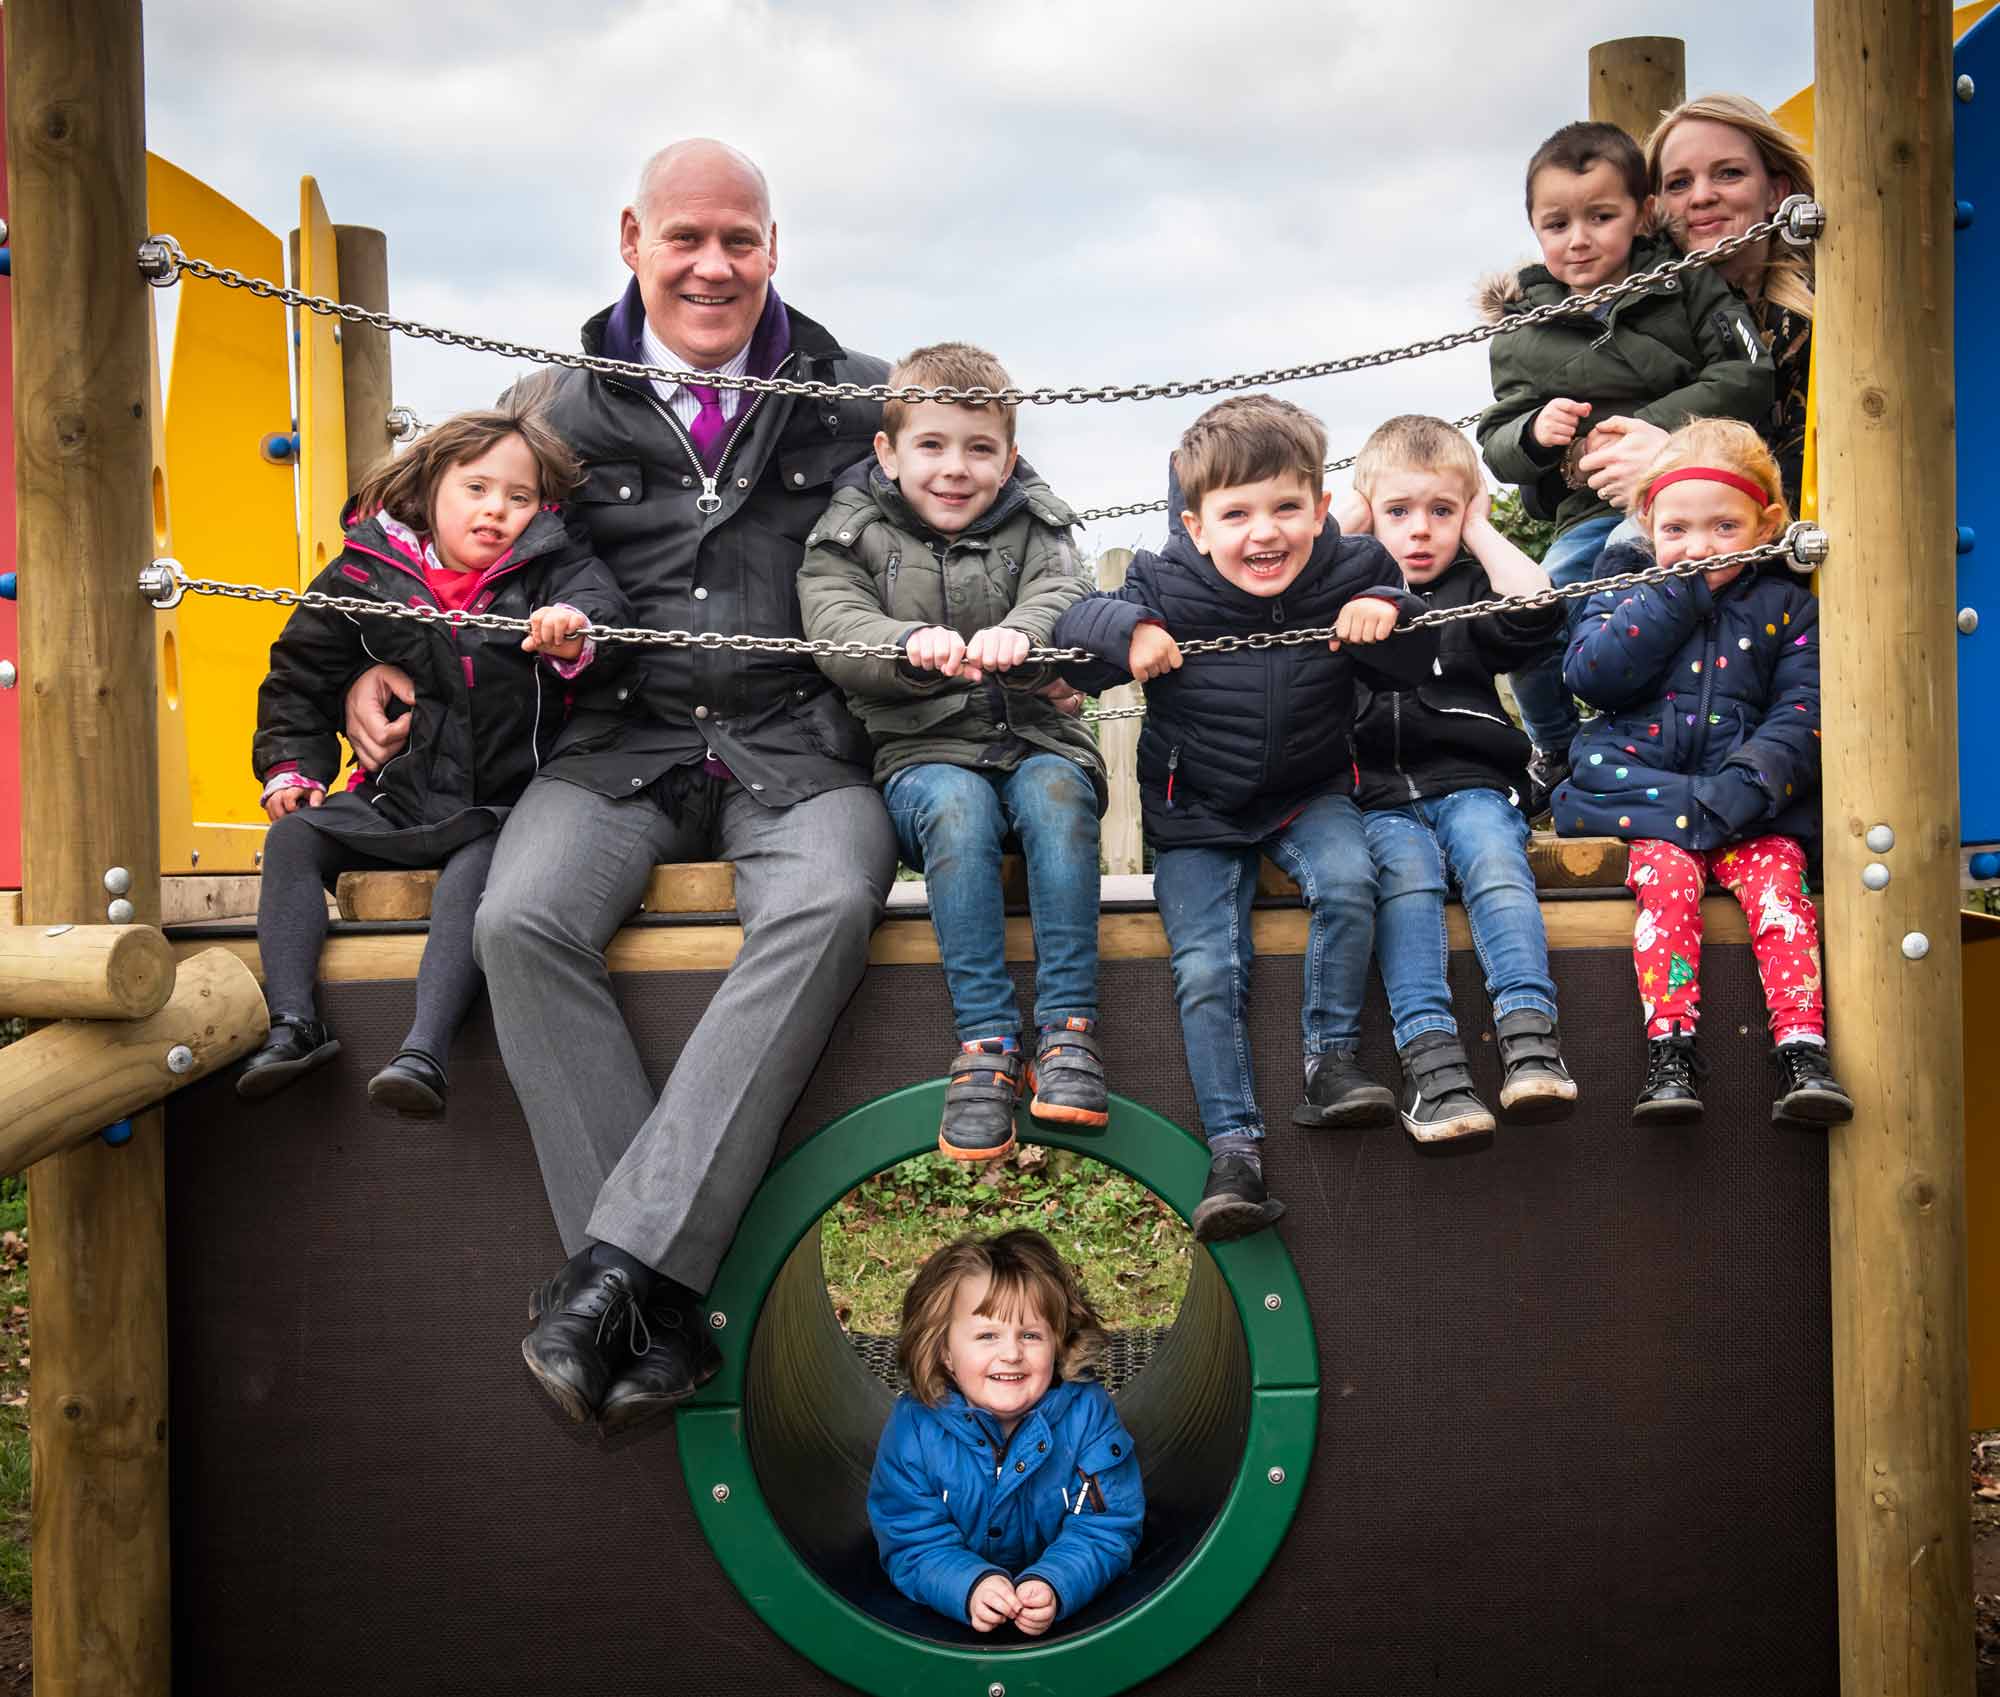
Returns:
point(295, 1047)
point(1067, 1076)
point(1546, 769)
point(1339, 1093)
point(979, 1101)
point(1535, 1086)
point(1439, 1106)
point(1808, 1093)
point(1669, 1095)
point(1233, 1202)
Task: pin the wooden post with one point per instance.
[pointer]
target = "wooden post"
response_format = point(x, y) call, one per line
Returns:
point(1122, 842)
point(1882, 350)
point(76, 177)
point(362, 259)
point(1634, 79)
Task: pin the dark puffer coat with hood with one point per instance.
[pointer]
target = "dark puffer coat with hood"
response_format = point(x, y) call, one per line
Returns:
point(1710, 733)
point(486, 713)
point(1234, 744)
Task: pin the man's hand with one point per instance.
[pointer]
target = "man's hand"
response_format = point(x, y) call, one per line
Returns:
point(993, 1601)
point(280, 802)
point(1067, 697)
point(935, 649)
point(375, 737)
point(1364, 619)
point(1556, 424)
point(997, 649)
point(556, 632)
point(1038, 1607)
point(1616, 455)
point(1353, 514)
point(1153, 653)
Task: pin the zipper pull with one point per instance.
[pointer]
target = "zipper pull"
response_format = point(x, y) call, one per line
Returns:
point(708, 501)
point(1173, 766)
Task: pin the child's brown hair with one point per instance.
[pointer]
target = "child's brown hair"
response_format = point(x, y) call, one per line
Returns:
point(1577, 147)
point(1023, 1270)
point(1246, 439)
point(1728, 445)
point(947, 365)
point(404, 486)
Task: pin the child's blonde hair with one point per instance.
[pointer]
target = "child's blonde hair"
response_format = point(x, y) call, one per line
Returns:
point(1246, 439)
point(1023, 1272)
point(947, 365)
point(1417, 442)
point(1728, 445)
point(1787, 279)
point(405, 486)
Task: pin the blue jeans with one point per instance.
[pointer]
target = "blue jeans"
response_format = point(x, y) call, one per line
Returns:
point(1204, 898)
point(1482, 838)
point(1548, 710)
point(950, 822)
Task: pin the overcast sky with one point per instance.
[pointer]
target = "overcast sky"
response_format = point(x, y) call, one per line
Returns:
point(1097, 192)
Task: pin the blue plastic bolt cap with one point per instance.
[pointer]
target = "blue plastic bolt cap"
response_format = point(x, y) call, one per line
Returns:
point(6, 262)
point(117, 1132)
point(1986, 865)
point(8, 583)
point(1961, 214)
point(281, 447)
point(1965, 539)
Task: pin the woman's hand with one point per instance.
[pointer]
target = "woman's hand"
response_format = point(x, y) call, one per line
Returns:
point(1615, 457)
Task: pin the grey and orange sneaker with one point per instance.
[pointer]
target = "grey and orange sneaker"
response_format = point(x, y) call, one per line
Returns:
point(980, 1097)
point(1067, 1076)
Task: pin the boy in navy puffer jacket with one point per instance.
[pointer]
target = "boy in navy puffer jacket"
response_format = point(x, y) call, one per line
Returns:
point(1707, 760)
point(1248, 752)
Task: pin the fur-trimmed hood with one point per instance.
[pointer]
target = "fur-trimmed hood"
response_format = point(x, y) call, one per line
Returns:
point(1496, 293)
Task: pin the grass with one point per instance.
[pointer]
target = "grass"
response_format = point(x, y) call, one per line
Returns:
point(1131, 1250)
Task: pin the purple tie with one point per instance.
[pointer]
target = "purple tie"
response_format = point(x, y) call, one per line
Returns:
point(709, 426)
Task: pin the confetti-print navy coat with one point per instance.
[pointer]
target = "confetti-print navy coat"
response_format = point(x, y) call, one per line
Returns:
point(1710, 702)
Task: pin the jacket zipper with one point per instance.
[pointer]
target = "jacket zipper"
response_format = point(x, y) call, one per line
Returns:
point(710, 499)
point(1707, 684)
point(1396, 720)
point(1173, 766)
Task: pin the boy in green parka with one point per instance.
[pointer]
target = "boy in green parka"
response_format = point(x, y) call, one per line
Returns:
point(941, 547)
point(1683, 348)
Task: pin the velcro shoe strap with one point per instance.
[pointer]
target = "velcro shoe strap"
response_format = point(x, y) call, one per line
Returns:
point(1059, 1044)
point(1518, 1046)
point(1442, 1070)
point(983, 1077)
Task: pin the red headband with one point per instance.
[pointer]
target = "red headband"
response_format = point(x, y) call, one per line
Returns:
point(1706, 474)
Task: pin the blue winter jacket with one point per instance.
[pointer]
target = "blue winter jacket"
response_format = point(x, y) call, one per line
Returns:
point(1710, 732)
point(1060, 1500)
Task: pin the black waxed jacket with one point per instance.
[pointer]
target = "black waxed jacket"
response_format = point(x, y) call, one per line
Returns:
point(775, 719)
point(1234, 744)
point(1450, 732)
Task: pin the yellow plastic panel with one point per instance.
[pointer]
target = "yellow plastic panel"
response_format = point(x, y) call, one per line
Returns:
point(233, 515)
point(1797, 113)
point(322, 400)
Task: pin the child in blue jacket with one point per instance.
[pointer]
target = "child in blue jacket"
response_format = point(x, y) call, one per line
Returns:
point(1004, 1488)
point(1707, 761)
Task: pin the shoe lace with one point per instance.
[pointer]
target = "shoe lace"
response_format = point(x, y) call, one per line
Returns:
point(624, 1309)
point(1802, 1063)
point(1674, 1060)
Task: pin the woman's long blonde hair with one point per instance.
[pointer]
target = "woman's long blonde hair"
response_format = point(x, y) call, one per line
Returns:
point(1787, 280)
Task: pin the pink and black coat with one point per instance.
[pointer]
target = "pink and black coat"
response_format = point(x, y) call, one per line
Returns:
point(486, 713)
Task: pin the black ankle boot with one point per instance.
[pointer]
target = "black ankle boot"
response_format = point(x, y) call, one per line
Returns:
point(1808, 1093)
point(1670, 1095)
point(587, 1329)
point(1339, 1093)
point(1234, 1202)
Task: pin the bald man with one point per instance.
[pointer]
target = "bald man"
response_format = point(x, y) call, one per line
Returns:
point(699, 499)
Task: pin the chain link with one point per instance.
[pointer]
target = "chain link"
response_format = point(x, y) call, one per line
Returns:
point(163, 262)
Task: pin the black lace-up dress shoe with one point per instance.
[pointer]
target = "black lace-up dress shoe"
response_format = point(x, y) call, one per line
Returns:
point(587, 1329)
point(678, 1358)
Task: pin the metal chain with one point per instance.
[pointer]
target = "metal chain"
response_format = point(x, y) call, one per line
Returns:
point(162, 262)
point(164, 583)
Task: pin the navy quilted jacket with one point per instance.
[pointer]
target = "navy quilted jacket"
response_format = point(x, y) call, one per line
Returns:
point(1234, 744)
point(1710, 732)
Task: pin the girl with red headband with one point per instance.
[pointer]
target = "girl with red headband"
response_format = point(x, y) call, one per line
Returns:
point(1706, 759)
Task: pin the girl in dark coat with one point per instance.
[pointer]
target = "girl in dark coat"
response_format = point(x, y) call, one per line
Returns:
point(1707, 760)
point(461, 523)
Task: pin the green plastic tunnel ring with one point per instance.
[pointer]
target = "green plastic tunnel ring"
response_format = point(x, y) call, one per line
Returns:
point(775, 1449)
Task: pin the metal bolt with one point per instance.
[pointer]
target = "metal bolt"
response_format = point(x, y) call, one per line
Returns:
point(996, 1689)
point(57, 930)
point(194, 857)
point(1874, 876)
point(336, 335)
point(1276, 1476)
point(257, 859)
point(1801, 220)
point(1880, 839)
point(1916, 945)
point(180, 1059)
point(718, 1321)
point(8, 676)
point(163, 583)
point(719, 1492)
point(1968, 619)
point(120, 912)
point(1810, 546)
point(116, 881)
point(3, 229)
point(1274, 1301)
point(1964, 88)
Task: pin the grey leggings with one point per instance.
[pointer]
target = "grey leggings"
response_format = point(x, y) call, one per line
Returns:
point(300, 860)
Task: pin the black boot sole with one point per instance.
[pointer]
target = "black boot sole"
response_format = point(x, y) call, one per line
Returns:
point(255, 1083)
point(1812, 1108)
point(1226, 1219)
point(1666, 1113)
point(1365, 1108)
point(560, 1391)
point(402, 1094)
point(1544, 1112)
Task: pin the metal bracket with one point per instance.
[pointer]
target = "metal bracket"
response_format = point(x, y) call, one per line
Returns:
point(1809, 544)
point(160, 261)
point(1801, 220)
point(163, 583)
point(403, 424)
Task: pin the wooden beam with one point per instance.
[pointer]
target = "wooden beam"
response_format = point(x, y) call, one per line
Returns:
point(1882, 353)
point(362, 259)
point(1558, 863)
point(84, 971)
point(699, 886)
point(76, 181)
point(189, 897)
point(1635, 79)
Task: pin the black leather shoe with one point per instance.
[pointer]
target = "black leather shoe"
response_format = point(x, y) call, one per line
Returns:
point(412, 1084)
point(587, 1329)
point(679, 1357)
point(293, 1049)
point(1808, 1093)
point(1671, 1094)
point(1339, 1093)
point(1233, 1202)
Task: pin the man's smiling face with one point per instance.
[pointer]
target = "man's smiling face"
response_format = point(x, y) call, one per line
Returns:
point(701, 242)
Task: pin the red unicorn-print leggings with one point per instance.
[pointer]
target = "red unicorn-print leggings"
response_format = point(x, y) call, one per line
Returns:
point(1767, 876)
